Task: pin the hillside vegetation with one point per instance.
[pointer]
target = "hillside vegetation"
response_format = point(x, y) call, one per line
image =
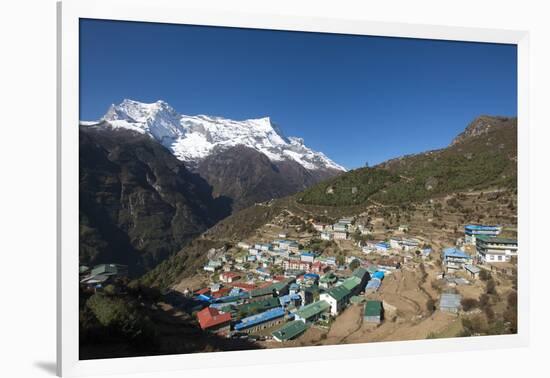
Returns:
point(483, 156)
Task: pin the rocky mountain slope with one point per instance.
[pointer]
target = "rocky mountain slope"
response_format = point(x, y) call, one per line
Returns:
point(138, 203)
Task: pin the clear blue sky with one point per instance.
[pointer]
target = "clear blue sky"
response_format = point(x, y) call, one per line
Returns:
point(355, 98)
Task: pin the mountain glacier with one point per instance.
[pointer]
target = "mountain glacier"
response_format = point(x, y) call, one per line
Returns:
point(193, 138)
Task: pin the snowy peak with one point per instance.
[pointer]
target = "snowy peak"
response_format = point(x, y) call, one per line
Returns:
point(193, 138)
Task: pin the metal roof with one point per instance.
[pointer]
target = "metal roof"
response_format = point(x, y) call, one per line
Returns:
point(312, 309)
point(480, 227)
point(351, 283)
point(455, 252)
point(472, 268)
point(253, 320)
point(374, 283)
point(494, 239)
point(290, 330)
point(373, 308)
point(265, 304)
point(339, 292)
point(449, 300)
point(360, 273)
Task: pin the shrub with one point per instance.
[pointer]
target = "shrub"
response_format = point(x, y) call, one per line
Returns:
point(469, 304)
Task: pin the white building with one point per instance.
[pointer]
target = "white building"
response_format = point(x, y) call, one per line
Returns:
point(326, 236)
point(337, 298)
point(243, 245)
point(340, 235)
point(495, 249)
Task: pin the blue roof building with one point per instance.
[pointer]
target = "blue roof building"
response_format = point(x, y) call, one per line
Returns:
point(471, 231)
point(382, 246)
point(252, 323)
point(454, 258)
point(373, 285)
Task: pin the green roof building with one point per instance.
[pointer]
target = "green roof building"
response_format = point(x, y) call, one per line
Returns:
point(109, 270)
point(312, 312)
point(257, 307)
point(337, 298)
point(373, 312)
point(289, 331)
point(353, 284)
point(328, 280)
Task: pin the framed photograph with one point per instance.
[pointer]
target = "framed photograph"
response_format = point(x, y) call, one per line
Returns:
point(243, 186)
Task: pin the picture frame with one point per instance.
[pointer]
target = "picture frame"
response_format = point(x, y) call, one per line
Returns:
point(69, 14)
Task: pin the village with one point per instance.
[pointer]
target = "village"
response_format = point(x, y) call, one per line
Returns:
point(280, 289)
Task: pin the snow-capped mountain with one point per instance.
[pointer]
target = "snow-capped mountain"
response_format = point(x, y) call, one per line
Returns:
point(193, 138)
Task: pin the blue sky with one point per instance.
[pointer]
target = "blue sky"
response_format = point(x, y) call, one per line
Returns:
point(356, 98)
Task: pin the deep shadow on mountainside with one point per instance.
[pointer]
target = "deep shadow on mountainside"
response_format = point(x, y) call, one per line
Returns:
point(138, 203)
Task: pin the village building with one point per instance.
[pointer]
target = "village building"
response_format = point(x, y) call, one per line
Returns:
point(472, 270)
point(243, 286)
point(297, 265)
point(290, 300)
point(307, 256)
point(340, 227)
point(262, 293)
point(450, 302)
point(252, 308)
point(363, 275)
point(266, 247)
point(294, 247)
point(289, 331)
point(319, 226)
point(382, 247)
point(367, 249)
point(472, 231)
point(326, 235)
point(312, 312)
point(309, 294)
point(426, 253)
point(454, 258)
point(373, 285)
point(495, 249)
point(404, 244)
point(337, 297)
point(229, 277)
point(318, 267)
point(212, 266)
point(328, 280)
point(266, 319)
point(293, 273)
point(353, 285)
point(212, 320)
point(102, 274)
point(340, 235)
point(243, 245)
point(374, 312)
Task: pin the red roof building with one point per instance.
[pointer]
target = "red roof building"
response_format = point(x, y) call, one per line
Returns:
point(205, 291)
point(213, 320)
point(221, 293)
point(244, 286)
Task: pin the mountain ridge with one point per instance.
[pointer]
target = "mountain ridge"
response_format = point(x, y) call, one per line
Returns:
point(193, 138)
